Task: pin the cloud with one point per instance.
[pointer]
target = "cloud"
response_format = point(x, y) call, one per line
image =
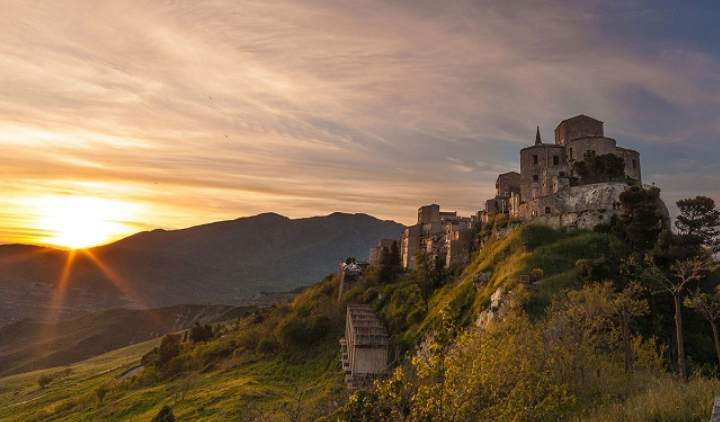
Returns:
point(217, 109)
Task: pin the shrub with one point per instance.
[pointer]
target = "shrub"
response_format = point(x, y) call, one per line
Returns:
point(266, 347)
point(201, 333)
point(101, 391)
point(44, 380)
point(292, 331)
point(165, 415)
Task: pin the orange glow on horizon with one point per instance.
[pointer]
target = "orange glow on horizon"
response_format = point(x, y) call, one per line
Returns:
point(77, 222)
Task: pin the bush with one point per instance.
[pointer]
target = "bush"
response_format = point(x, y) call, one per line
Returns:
point(266, 347)
point(292, 331)
point(101, 391)
point(201, 333)
point(165, 415)
point(44, 380)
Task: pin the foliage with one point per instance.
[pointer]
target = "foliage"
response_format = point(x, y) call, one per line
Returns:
point(512, 370)
point(642, 217)
point(600, 168)
point(201, 333)
point(681, 273)
point(390, 264)
point(709, 307)
point(699, 221)
point(44, 380)
point(429, 274)
point(164, 415)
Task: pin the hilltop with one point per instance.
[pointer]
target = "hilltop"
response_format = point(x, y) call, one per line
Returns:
point(227, 262)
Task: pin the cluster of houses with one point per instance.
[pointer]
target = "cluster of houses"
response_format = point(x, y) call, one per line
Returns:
point(549, 188)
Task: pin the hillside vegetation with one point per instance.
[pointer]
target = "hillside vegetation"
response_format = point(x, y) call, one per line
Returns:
point(28, 345)
point(540, 325)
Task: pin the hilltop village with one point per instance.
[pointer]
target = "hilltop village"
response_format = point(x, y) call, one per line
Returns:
point(574, 181)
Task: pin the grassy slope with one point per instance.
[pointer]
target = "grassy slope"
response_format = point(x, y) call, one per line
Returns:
point(27, 344)
point(219, 395)
point(223, 390)
point(525, 249)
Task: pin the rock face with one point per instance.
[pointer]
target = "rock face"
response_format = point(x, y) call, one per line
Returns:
point(582, 207)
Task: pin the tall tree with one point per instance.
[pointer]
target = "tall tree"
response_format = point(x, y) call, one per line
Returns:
point(390, 263)
point(681, 273)
point(699, 221)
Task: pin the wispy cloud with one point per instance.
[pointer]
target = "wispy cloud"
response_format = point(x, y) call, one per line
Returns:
point(217, 109)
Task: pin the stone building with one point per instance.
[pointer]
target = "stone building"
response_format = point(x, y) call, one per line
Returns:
point(364, 350)
point(546, 168)
point(550, 184)
point(434, 232)
point(507, 187)
point(376, 252)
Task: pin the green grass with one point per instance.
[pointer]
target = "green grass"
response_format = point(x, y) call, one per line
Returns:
point(221, 387)
point(219, 395)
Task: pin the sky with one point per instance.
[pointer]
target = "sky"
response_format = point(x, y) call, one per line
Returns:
point(170, 114)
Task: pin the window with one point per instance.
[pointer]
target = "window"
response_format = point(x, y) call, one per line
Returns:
point(562, 174)
point(556, 160)
point(634, 163)
point(535, 178)
point(547, 210)
point(571, 157)
point(535, 159)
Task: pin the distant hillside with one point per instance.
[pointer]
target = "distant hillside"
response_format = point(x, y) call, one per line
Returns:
point(28, 345)
point(227, 262)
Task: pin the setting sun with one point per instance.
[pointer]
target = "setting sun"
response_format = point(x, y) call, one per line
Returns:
point(81, 222)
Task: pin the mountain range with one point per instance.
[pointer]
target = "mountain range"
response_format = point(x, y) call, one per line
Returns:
point(227, 262)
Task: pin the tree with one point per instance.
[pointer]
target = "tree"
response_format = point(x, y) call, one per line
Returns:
point(44, 380)
point(699, 221)
point(165, 415)
point(169, 348)
point(201, 333)
point(428, 275)
point(390, 263)
point(600, 168)
point(642, 217)
point(385, 274)
point(627, 307)
point(682, 273)
point(395, 256)
point(709, 307)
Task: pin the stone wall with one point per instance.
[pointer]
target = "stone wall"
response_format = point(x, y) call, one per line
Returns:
point(576, 206)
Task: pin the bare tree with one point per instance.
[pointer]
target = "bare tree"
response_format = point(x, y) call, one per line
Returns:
point(294, 409)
